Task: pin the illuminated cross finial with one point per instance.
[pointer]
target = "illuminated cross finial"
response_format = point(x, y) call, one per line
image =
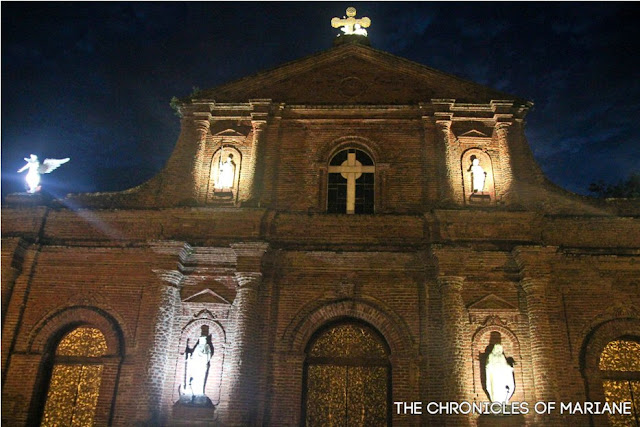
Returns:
point(351, 25)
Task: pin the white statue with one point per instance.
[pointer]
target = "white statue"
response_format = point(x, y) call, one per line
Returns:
point(499, 374)
point(35, 169)
point(478, 176)
point(227, 173)
point(198, 359)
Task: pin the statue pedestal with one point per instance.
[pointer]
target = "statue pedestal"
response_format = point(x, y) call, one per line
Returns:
point(224, 193)
point(480, 199)
point(224, 197)
point(201, 413)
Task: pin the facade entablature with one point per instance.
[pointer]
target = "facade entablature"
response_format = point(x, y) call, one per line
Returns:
point(497, 110)
point(440, 109)
point(194, 110)
point(331, 112)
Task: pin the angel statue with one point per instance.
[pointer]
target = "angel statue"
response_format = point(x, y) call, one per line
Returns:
point(36, 168)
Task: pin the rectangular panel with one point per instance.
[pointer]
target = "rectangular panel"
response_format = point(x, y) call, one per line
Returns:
point(326, 395)
point(367, 396)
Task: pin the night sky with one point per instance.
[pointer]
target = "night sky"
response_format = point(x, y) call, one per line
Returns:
point(93, 81)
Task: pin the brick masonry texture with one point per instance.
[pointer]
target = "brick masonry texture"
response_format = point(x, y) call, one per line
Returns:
point(552, 275)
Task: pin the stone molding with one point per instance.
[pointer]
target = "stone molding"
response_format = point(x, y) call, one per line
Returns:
point(173, 277)
point(248, 280)
point(451, 283)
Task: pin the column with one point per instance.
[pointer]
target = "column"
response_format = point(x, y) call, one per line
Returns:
point(255, 167)
point(451, 164)
point(540, 338)
point(259, 114)
point(244, 361)
point(245, 351)
point(535, 264)
point(168, 299)
point(505, 187)
point(455, 345)
point(201, 167)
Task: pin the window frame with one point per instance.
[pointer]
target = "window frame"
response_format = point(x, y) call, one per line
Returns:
point(364, 208)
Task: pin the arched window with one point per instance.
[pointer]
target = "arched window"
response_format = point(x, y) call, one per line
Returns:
point(351, 183)
point(620, 370)
point(347, 377)
point(75, 379)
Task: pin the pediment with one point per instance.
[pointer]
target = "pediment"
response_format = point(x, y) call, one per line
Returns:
point(491, 302)
point(206, 296)
point(353, 74)
point(472, 130)
point(229, 133)
point(474, 134)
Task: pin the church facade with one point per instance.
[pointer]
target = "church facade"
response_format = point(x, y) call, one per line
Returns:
point(330, 241)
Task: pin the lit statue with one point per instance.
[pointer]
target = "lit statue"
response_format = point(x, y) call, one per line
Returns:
point(35, 169)
point(227, 173)
point(499, 374)
point(198, 359)
point(351, 25)
point(478, 176)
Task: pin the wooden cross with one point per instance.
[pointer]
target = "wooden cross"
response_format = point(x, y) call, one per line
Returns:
point(351, 169)
point(348, 24)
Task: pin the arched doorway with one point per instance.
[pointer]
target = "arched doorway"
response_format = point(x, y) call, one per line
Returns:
point(620, 372)
point(347, 379)
point(74, 386)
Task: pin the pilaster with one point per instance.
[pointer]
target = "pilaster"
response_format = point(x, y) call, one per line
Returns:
point(535, 269)
point(259, 117)
point(448, 193)
point(167, 293)
point(540, 337)
point(245, 360)
point(455, 344)
point(505, 186)
point(201, 167)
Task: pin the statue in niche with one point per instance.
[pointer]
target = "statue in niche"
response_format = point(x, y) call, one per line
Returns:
point(227, 173)
point(478, 175)
point(197, 361)
point(499, 375)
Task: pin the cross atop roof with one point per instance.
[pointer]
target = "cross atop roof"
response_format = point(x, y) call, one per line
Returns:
point(351, 25)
